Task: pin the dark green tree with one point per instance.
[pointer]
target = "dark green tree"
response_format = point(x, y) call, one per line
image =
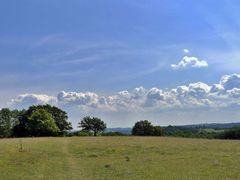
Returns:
point(21, 128)
point(41, 123)
point(158, 131)
point(92, 124)
point(8, 119)
point(143, 128)
point(232, 133)
point(60, 118)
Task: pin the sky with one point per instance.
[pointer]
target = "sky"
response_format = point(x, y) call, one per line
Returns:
point(168, 61)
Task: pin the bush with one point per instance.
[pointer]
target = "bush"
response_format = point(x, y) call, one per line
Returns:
point(84, 133)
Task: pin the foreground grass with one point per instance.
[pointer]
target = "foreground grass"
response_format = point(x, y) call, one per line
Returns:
point(119, 158)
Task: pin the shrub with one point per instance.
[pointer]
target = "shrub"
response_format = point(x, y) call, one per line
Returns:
point(84, 133)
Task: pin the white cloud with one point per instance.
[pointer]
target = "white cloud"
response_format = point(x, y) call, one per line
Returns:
point(156, 103)
point(230, 81)
point(81, 99)
point(192, 96)
point(198, 90)
point(189, 62)
point(25, 100)
point(235, 93)
point(217, 88)
point(186, 51)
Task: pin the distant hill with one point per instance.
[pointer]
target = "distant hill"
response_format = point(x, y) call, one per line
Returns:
point(216, 126)
point(122, 130)
point(213, 125)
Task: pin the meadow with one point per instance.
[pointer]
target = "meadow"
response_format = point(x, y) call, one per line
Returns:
point(119, 158)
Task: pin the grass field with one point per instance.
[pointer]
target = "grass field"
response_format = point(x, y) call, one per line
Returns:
point(119, 158)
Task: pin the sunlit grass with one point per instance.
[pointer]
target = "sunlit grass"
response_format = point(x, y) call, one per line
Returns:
point(119, 158)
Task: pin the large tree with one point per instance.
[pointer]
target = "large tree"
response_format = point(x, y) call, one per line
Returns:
point(143, 128)
point(41, 123)
point(92, 124)
point(59, 116)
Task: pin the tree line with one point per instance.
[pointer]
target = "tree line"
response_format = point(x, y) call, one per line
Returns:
point(47, 120)
point(40, 120)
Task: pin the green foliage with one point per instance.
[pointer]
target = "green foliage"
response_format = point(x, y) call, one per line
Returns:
point(145, 128)
point(92, 124)
point(158, 131)
point(8, 119)
point(60, 117)
point(192, 132)
point(41, 123)
point(142, 128)
point(83, 133)
point(21, 128)
point(24, 129)
point(233, 133)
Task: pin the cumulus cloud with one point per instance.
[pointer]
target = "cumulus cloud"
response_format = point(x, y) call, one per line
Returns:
point(217, 88)
point(198, 90)
point(194, 95)
point(189, 62)
point(87, 101)
point(189, 103)
point(25, 100)
point(235, 93)
point(230, 81)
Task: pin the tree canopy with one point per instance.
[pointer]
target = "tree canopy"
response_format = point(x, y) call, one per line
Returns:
point(24, 126)
point(145, 128)
point(92, 124)
point(8, 119)
point(233, 133)
point(60, 117)
point(41, 123)
point(142, 128)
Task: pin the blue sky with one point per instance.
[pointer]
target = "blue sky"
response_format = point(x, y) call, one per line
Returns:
point(106, 46)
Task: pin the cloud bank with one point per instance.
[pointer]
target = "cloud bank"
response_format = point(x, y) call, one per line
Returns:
point(186, 104)
point(224, 94)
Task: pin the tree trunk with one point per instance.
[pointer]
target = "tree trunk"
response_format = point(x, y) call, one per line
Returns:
point(95, 133)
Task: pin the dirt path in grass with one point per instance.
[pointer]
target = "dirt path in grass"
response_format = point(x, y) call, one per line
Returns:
point(70, 159)
point(72, 163)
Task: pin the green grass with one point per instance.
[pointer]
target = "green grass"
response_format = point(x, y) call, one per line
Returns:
point(119, 158)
